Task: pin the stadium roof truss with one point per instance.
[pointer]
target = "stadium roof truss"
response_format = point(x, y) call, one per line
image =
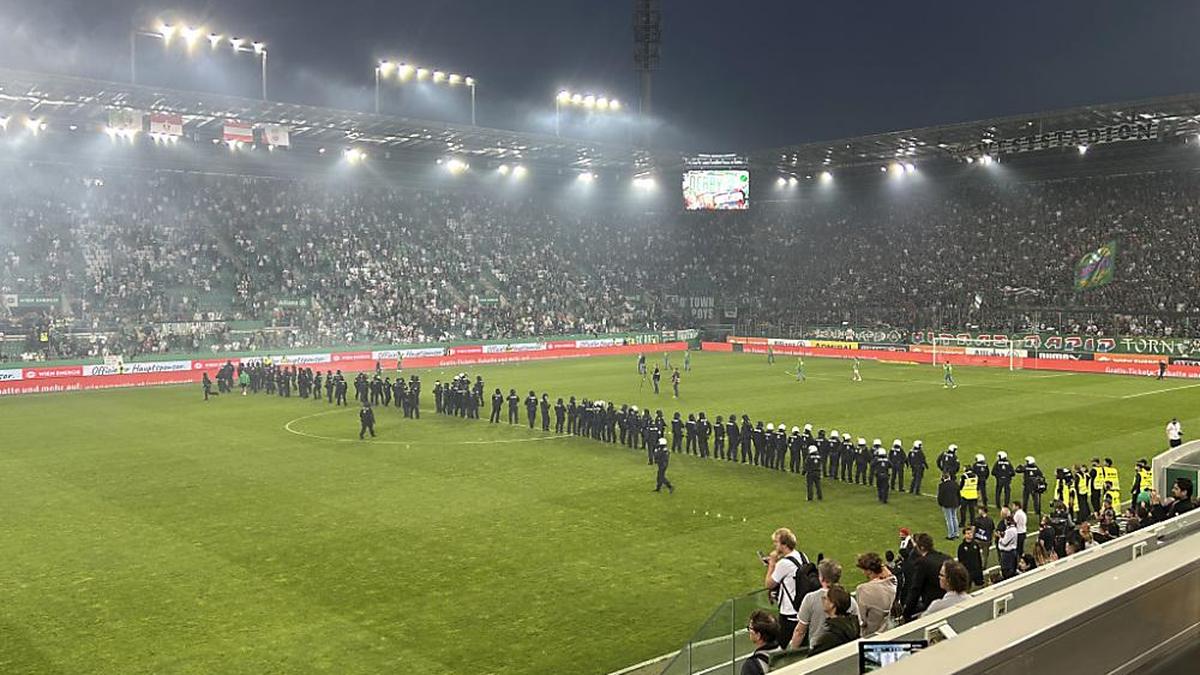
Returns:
point(1176, 116)
point(88, 102)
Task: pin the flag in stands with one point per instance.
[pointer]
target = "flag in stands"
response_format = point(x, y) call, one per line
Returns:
point(1097, 267)
point(277, 135)
point(166, 123)
point(238, 131)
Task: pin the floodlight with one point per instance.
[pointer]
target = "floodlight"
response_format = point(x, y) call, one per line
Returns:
point(586, 177)
point(385, 67)
point(602, 103)
point(1083, 149)
point(34, 125)
point(503, 169)
point(438, 76)
point(470, 82)
point(404, 71)
point(970, 160)
point(190, 35)
point(422, 73)
point(214, 40)
point(589, 101)
point(456, 166)
point(259, 47)
point(826, 176)
point(564, 96)
point(614, 104)
point(986, 160)
point(518, 171)
point(455, 79)
point(4, 123)
point(577, 98)
point(237, 43)
point(167, 31)
point(883, 169)
point(909, 168)
point(793, 180)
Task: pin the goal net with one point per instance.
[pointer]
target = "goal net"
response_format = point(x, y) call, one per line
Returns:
point(975, 351)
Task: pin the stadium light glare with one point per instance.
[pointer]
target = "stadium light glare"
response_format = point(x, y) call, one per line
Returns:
point(986, 160)
point(577, 99)
point(166, 31)
point(455, 79)
point(259, 47)
point(781, 181)
point(519, 171)
point(614, 105)
point(385, 67)
point(503, 169)
point(589, 101)
point(34, 125)
point(438, 77)
point(645, 182)
point(214, 40)
point(4, 123)
point(236, 43)
point(422, 73)
point(909, 168)
point(469, 81)
point(602, 103)
point(564, 96)
point(190, 35)
point(1083, 149)
point(826, 176)
point(970, 160)
point(405, 71)
point(456, 166)
point(354, 155)
point(792, 180)
point(586, 177)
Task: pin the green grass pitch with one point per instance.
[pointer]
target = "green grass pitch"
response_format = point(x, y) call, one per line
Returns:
point(149, 531)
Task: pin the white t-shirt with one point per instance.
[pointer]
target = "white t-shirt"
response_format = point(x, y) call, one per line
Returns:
point(785, 576)
point(1020, 520)
point(812, 613)
point(1174, 431)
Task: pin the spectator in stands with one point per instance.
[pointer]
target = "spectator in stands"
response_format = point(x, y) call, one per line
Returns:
point(970, 555)
point(985, 530)
point(876, 595)
point(786, 574)
point(948, 500)
point(955, 581)
point(841, 623)
point(812, 609)
point(1021, 522)
point(1181, 497)
point(764, 633)
point(1026, 563)
point(1007, 546)
point(924, 587)
point(1086, 539)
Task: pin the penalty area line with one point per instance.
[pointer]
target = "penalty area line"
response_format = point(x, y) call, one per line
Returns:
point(1160, 391)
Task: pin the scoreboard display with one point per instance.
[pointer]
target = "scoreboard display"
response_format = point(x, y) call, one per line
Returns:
point(716, 190)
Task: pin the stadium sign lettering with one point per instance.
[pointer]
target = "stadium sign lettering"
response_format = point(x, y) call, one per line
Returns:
point(1067, 138)
point(10, 375)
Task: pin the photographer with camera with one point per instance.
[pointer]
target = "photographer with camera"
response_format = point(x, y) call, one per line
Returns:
point(788, 577)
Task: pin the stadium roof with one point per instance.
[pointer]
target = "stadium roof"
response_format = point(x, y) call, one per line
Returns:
point(1175, 115)
point(87, 101)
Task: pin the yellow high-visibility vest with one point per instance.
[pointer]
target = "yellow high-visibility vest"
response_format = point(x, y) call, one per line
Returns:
point(1146, 479)
point(1115, 491)
point(970, 487)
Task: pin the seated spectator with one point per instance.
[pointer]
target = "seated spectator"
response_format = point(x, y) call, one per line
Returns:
point(811, 618)
point(764, 633)
point(876, 595)
point(1026, 563)
point(841, 624)
point(955, 581)
point(923, 587)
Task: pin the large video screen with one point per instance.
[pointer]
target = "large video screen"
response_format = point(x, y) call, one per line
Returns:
point(716, 190)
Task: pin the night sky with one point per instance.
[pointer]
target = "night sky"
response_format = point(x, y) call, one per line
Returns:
point(734, 75)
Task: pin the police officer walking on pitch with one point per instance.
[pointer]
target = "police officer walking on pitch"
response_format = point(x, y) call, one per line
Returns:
point(812, 473)
point(881, 468)
point(916, 462)
point(662, 457)
point(1003, 472)
point(366, 417)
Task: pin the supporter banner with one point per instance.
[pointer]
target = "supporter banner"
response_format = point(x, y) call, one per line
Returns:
point(878, 336)
point(1096, 268)
point(125, 120)
point(137, 368)
point(277, 135)
point(166, 123)
point(12, 301)
point(488, 302)
point(988, 351)
point(685, 334)
point(1068, 138)
point(291, 302)
point(236, 132)
point(1086, 343)
point(10, 375)
point(696, 306)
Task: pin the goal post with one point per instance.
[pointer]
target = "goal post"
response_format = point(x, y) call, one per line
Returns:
point(978, 351)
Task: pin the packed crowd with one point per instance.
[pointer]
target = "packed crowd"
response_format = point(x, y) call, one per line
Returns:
point(155, 261)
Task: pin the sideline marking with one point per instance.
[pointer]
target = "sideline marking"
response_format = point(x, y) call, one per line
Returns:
point(1160, 391)
point(288, 427)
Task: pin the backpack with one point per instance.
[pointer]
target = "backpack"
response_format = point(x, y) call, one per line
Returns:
point(806, 578)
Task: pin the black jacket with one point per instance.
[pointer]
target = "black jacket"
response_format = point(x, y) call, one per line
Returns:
point(948, 494)
point(839, 630)
point(924, 587)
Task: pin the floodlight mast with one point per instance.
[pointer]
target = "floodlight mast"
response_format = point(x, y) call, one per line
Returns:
point(647, 41)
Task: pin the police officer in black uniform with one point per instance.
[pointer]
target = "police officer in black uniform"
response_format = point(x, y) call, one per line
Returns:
point(882, 468)
point(662, 458)
point(948, 462)
point(981, 471)
point(560, 412)
point(513, 401)
point(366, 418)
point(531, 403)
point(918, 464)
point(1003, 471)
point(813, 467)
point(545, 406)
point(718, 438)
point(897, 458)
